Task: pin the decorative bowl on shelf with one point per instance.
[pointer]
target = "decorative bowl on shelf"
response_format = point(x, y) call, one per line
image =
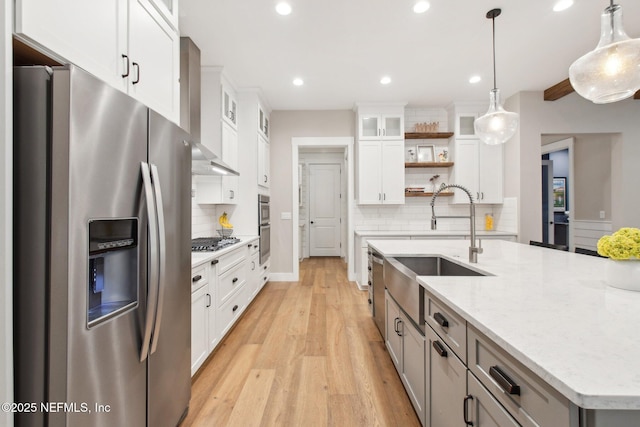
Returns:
point(225, 232)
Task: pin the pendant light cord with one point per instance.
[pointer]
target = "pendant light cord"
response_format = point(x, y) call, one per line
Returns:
point(492, 14)
point(493, 21)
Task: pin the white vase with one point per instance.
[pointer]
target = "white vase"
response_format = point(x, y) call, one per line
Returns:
point(624, 274)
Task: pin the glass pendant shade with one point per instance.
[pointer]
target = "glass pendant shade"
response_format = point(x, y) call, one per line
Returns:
point(497, 125)
point(611, 72)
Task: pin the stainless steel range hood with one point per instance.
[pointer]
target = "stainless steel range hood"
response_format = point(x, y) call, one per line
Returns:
point(204, 161)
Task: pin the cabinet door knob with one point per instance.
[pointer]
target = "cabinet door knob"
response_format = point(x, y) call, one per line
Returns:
point(235, 307)
point(465, 411)
point(235, 279)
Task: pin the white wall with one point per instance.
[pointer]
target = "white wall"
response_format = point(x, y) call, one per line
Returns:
point(6, 206)
point(571, 115)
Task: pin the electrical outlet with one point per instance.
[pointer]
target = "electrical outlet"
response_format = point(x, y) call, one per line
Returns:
point(601, 214)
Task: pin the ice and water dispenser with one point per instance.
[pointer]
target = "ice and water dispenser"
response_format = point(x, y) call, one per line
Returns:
point(113, 268)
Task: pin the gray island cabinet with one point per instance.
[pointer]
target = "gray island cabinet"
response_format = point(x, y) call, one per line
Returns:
point(536, 341)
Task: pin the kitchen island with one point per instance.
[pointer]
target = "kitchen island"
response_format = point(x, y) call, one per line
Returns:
point(553, 312)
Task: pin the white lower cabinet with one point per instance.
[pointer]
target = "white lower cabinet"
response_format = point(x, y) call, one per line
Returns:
point(221, 290)
point(406, 347)
point(203, 332)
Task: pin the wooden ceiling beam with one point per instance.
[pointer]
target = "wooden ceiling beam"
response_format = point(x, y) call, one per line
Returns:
point(564, 88)
point(558, 90)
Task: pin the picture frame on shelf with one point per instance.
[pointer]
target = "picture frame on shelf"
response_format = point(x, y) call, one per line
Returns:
point(559, 194)
point(410, 154)
point(426, 153)
point(441, 153)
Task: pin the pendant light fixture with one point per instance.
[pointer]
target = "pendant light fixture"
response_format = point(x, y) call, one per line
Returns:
point(497, 125)
point(611, 72)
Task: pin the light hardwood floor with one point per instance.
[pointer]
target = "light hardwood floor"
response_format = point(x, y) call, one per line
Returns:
point(304, 353)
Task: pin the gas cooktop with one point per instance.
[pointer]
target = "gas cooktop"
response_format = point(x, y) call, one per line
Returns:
point(211, 244)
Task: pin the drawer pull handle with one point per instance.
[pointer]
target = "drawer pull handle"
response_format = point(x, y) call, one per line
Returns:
point(504, 381)
point(442, 321)
point(214, 262)
point(196, 278)
point(397, 324)
point(465, 411)
point(440, 348)
point(235, 279)
point(235, 307)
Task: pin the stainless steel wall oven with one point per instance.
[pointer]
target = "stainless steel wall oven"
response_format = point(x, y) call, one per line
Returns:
point(264, 228)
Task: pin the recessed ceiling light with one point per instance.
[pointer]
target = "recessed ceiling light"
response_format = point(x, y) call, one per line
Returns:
point(298, 81)
point(421, 6)
point(562, 5)
point(474, 79)
point(385, 80)
point(283, 8)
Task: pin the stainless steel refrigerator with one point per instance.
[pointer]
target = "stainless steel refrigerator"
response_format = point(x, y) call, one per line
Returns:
point(102, 215)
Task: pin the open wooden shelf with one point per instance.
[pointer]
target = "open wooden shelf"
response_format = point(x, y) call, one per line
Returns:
point(428, 165)
point(420, 194)
point(427, 135)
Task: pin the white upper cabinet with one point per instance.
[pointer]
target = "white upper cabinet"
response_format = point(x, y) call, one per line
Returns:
point(463, 116)
point(126, 43)
point(381, 126)
point(380, 172)
point(380, 154)
point(169, 11)
point(478, 167)
point(263, 122)
point(229, 105)
point(264, 178)
point(220, 135)
point(154, 60)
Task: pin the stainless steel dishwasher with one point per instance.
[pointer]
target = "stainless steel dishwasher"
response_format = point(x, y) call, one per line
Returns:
point(377, 282)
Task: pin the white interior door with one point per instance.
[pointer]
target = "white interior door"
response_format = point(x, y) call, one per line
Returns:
point(324, 210)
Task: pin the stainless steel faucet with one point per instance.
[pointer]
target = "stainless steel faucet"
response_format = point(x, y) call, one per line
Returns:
point(473, 249)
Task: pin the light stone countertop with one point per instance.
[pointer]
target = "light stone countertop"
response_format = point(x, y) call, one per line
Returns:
point(551, 310)
point(434, 233)
point(199, 258)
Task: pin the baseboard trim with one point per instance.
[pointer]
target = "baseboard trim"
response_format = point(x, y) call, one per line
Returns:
point(282, 277)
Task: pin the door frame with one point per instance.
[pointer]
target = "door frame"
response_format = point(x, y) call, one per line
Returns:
point(308, 231)
point(566, 144)
point(549, 224)
point(347, 143)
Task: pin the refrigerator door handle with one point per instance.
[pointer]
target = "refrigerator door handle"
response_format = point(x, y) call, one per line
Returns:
point(155, 180)
point(152, 293)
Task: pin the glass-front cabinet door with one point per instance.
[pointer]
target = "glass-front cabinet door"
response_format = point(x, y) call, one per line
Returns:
point(169, 11)
point(369, 127)
point(392, 127)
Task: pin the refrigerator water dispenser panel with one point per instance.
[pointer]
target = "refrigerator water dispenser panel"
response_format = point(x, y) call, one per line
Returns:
point(112, 286)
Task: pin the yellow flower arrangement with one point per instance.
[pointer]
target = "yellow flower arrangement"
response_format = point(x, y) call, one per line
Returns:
point(623, 244)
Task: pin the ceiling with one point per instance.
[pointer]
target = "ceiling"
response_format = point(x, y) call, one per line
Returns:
point(342, 48)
